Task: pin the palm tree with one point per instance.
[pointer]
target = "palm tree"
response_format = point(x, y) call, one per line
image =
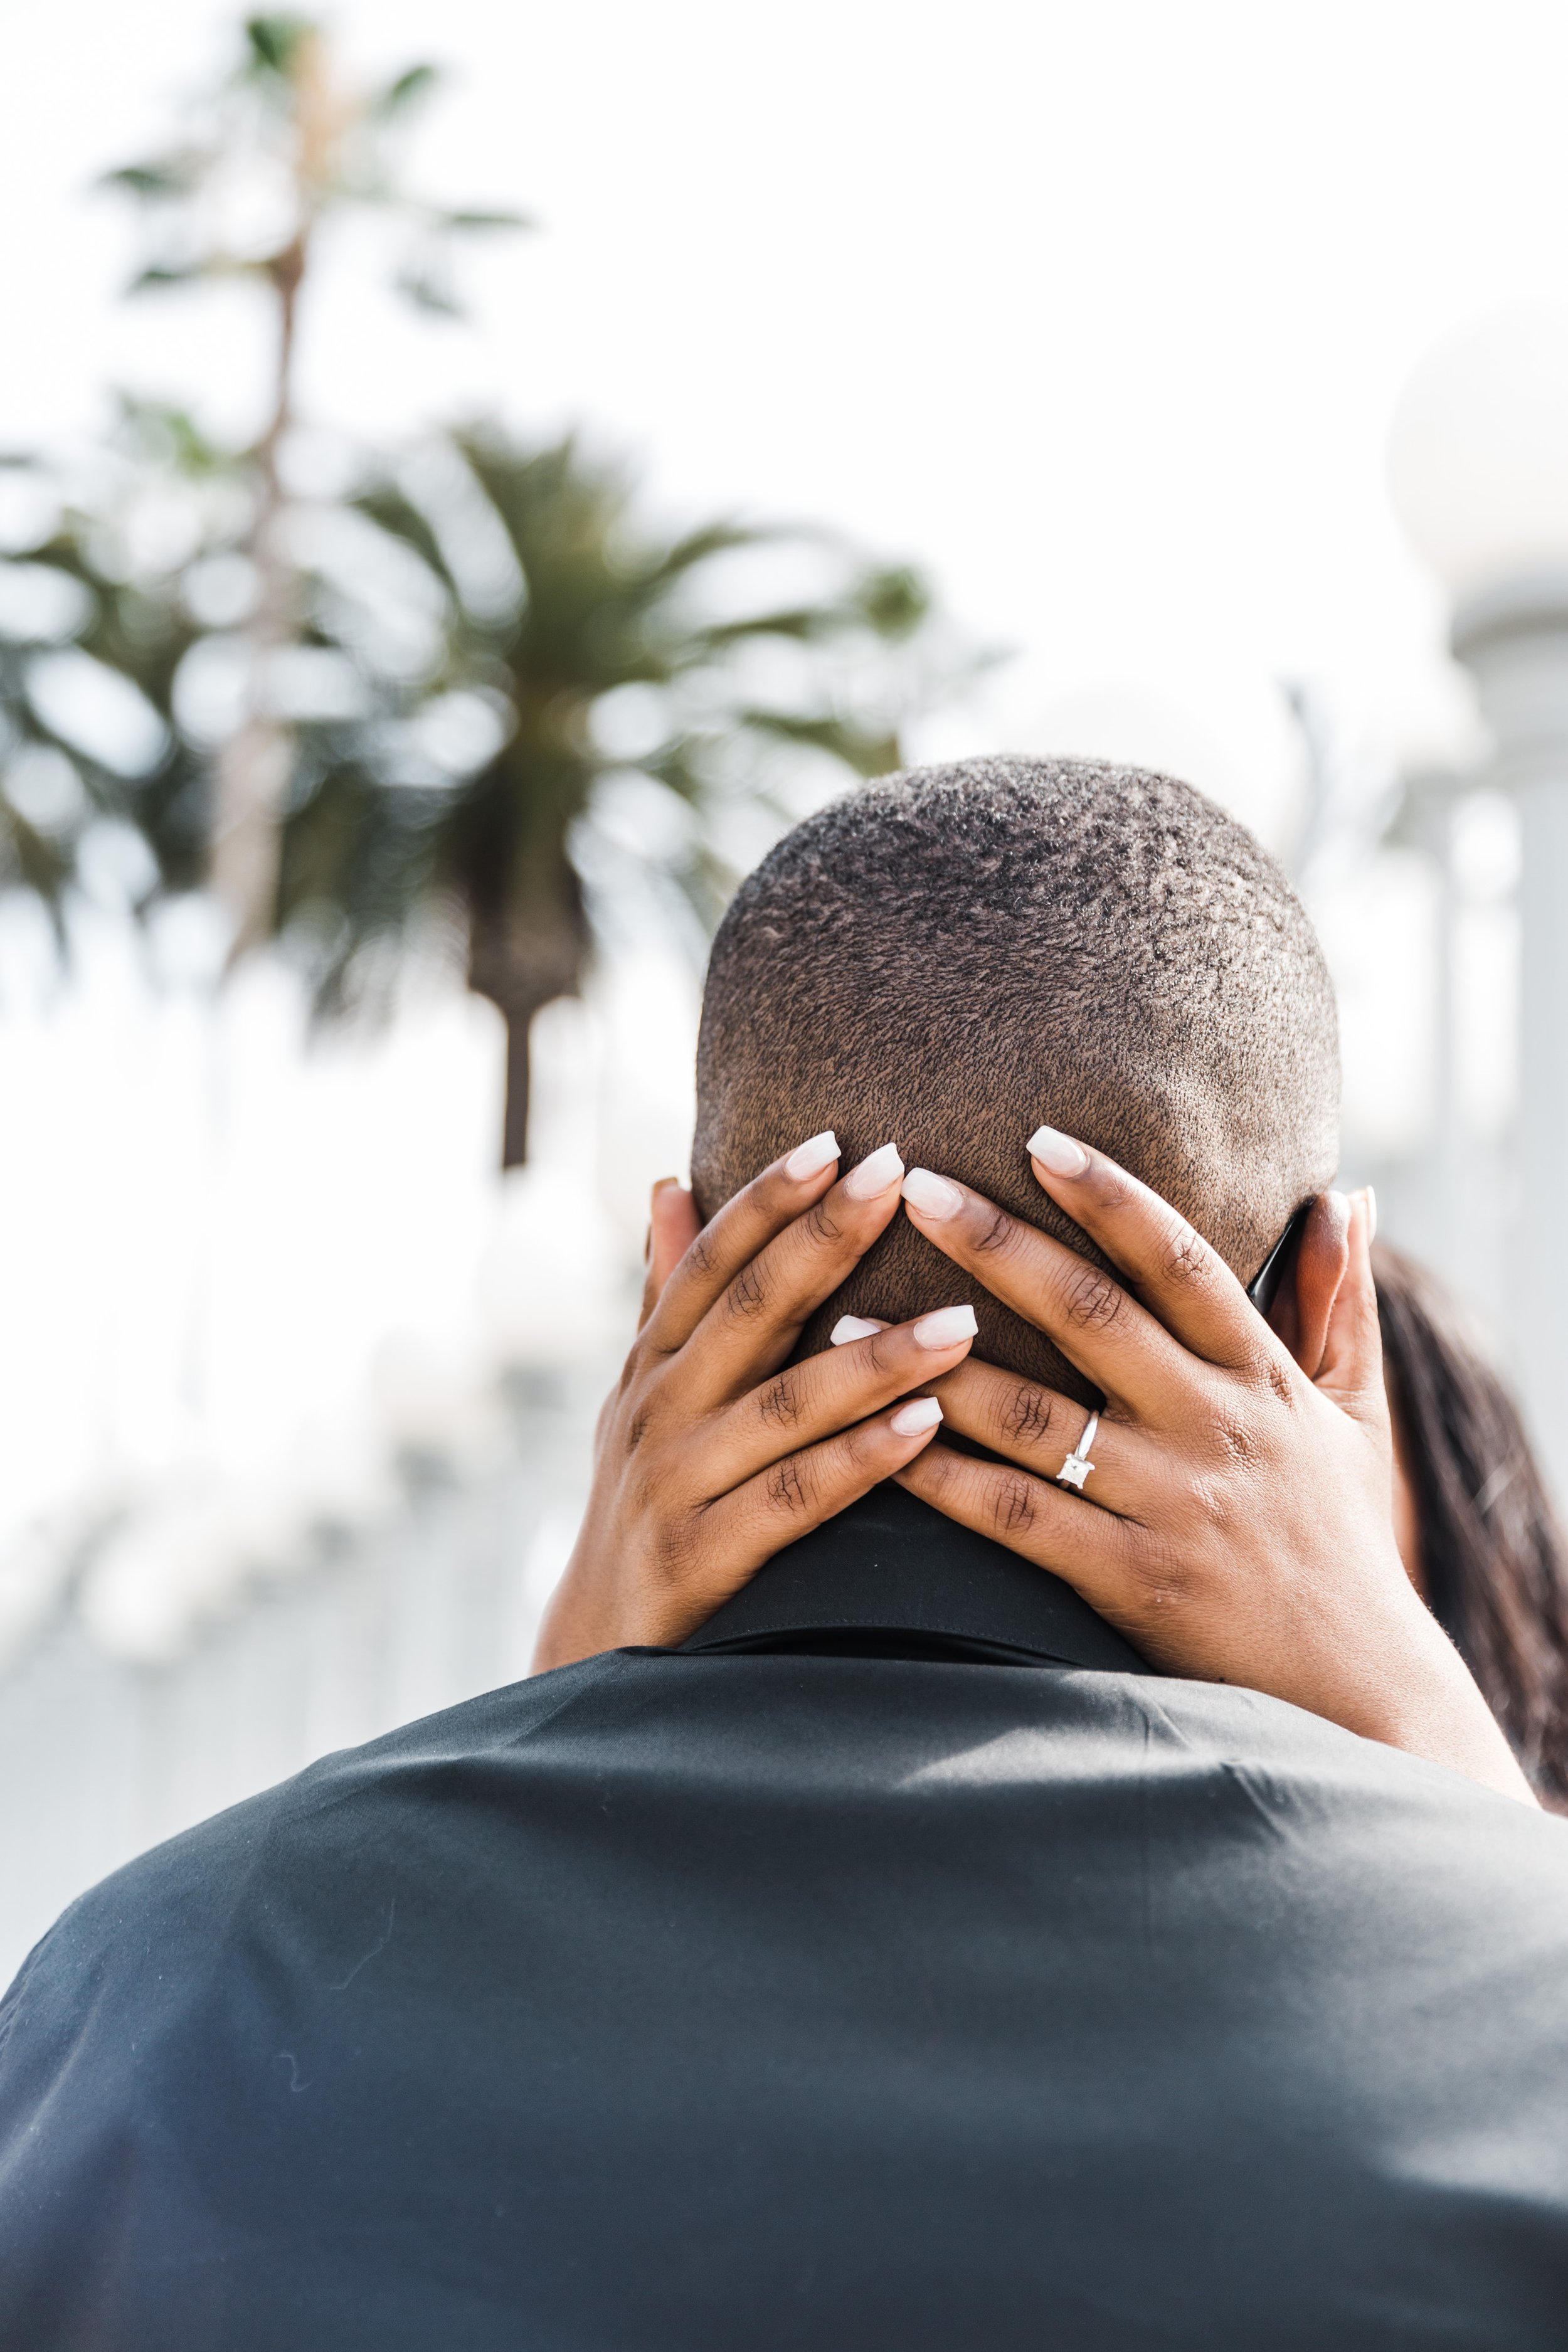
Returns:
point(284, 124)
point(91, 646)
point(479, 801)
point(423, 708)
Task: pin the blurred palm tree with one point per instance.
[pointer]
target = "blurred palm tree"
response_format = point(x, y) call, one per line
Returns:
point(597, 677)
point(507, 697)
point(92, 640)
point(480, 698)
point(282, 145)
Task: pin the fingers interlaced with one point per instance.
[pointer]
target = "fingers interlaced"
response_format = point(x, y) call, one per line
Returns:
point(807, 1401)
point(1038, 1520)
point(1038, 1429)
point(791, 1495)
point(1098, 1325)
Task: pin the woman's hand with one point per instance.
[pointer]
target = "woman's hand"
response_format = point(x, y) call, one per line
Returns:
point(1236, 1523)
point(708, 1458)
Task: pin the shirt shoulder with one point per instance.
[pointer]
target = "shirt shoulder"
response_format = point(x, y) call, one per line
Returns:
point(185, 1891)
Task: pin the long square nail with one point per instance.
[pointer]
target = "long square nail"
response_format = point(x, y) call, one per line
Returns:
point(877, 1172)
point(810, 1158)
point(852, 1327)
point(1057, 1152)
point(933, 1196)
point(946, 1327)
point(921, 1412)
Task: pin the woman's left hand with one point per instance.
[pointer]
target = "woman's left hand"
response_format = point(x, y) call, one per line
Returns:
point(1237, 1524)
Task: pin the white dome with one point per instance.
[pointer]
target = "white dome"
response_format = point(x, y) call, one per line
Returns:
point(1477, 457)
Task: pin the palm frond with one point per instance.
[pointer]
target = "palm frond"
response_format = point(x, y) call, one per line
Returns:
point(480, 222)
point(411, 88)
point(274, 43)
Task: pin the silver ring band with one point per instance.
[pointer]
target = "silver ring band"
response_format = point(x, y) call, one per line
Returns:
point(1078, 1466)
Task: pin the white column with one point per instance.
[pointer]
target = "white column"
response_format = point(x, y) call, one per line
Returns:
point(1428, 824)
point(1514, 642)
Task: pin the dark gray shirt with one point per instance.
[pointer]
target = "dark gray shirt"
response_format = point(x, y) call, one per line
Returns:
point(901, 1965)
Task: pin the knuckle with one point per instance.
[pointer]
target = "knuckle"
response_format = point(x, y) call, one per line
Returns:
point(867, 1442)
point(996, 1234)
point(1184, 1256)
point(748, 1294)
point(1208, 1502)
point(1236, 1439)
point(779, 1403)
point(675, 1548)
point(938, 1466)
point(820, 1223)
point(1111, 1186)
point(1026, 1418)
point(1266, 1375)
point(1161, 1574)
point(638, 1428)
point(699, 1253)
point(1091, 1301)
point(789, 1487)
point(1014, 1506)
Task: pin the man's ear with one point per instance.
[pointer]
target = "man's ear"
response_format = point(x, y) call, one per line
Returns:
point(1305, 1299)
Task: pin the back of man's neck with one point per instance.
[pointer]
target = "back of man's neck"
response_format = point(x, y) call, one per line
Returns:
point(893, 1577)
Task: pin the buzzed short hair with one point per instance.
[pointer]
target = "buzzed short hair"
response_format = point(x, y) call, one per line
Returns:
point(948, 957)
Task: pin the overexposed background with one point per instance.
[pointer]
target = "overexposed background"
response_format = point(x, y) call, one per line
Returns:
point(1102, 313)
point(1099, 315)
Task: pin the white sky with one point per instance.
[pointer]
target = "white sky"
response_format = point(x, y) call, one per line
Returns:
point(1098, 312)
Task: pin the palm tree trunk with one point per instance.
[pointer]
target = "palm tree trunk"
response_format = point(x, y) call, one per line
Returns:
point(518, 1019)
point(253, 767)
point(521, 966)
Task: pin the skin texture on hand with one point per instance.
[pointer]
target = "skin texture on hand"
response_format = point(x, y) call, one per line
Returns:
point(1237, 1526)
point(714, 1452)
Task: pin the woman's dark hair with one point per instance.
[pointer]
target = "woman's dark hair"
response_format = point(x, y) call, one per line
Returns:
point(1493, 1556)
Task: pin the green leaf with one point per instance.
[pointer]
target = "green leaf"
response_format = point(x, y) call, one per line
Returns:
point(895, 602)
point(159, 180)
point(165, 434)
point(428, 290)
point(275, 42)
point(464, 222)
point(168, 273)
point(386, 507)
point(411, 89)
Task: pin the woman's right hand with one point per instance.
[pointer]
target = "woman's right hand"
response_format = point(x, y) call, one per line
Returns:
point(715, 1451)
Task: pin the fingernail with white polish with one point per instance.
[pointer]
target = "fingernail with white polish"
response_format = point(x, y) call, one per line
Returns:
point(933, 1196)
point(1370, 1213)
point(921, 1412)
point(876, 1173)
point(1057, 1152)
point(852, 1327)
point(809, 1159)
point(946, 1327)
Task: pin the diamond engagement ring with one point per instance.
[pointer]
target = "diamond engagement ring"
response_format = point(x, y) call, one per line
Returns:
point(1078, 1466)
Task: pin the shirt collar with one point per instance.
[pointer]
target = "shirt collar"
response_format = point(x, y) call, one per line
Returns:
point(893, 1566)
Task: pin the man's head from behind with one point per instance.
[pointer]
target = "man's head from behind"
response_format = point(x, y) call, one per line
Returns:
point(948, 958)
